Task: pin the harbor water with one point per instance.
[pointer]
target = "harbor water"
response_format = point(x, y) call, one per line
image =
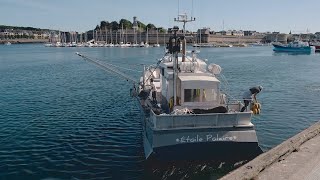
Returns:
point(64, 118)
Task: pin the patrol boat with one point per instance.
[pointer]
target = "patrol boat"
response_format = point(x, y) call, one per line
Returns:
point(185, 113)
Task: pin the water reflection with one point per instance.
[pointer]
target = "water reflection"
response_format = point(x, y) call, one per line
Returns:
point(276, 53)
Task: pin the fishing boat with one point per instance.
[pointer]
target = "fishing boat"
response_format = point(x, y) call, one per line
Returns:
point(295, 46)
point(8, 43)
point(185, 114)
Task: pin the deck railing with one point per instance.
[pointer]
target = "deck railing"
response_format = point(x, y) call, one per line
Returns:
point(166, 122)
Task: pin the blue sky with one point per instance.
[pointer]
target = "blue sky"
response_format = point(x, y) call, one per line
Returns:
point(82, 15)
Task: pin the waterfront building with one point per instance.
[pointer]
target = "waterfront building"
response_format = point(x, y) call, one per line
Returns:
point(235, 33)
point(249, 33)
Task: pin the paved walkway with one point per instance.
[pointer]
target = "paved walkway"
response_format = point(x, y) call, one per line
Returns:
point(297, 158)
point(301, 164)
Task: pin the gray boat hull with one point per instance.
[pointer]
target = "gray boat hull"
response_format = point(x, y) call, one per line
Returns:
point(222, 141)
point(219, 144)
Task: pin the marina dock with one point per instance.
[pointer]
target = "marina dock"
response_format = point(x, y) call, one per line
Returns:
point(295, 158)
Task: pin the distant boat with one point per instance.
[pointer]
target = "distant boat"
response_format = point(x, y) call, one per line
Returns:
point(296, 46)
point(256, 44)
point(141, 44)
point(225, 45)
point(8, 43)
point(203, 45)
point(48, 45)
point(240, 45)
point(58, 44)
point(128, 44)
point(135, 45)
point(316, 45)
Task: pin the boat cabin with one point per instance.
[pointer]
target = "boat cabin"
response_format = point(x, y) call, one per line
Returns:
point(196, 88)
point(198, 91)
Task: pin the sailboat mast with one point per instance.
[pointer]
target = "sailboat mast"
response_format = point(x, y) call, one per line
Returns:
point(140, 34)
point(157, 37)
point(111, 34)
point(126, 36)
point(122, 34)
point(117, 37)
point(200, 32)
point(147, 40)
point(93, 35)
point(164, 39)
point(105, 30)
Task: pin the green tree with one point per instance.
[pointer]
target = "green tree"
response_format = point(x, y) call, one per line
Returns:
point(105, 24)
point(141, 25)
point(151, 26)
point(162, 30)
point(114, 25)
point(126, 24)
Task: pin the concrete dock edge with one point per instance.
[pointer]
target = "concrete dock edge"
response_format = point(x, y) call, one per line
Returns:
point(254, 167)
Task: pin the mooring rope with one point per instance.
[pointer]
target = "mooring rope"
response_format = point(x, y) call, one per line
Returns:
point(107, 67)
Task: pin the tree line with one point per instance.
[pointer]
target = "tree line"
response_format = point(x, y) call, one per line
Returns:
point(126, 24)
point(4, 27)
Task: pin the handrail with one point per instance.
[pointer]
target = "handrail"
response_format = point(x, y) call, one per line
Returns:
point(167, 122)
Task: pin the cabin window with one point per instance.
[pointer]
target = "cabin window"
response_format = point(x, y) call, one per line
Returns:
point(209, 95)
point(192, 95)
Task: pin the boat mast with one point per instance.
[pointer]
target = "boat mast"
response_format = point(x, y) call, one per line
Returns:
point(147, 39)
point(105, 29)
point(200, 32)
point(157, 37)
point(126, 36)
point(184, 19)
point(140, 35)
point(122, 34)
point(93, 31)
point(117, 37)
point(111, 34)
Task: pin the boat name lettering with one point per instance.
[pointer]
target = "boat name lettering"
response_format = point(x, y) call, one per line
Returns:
point(206, 138)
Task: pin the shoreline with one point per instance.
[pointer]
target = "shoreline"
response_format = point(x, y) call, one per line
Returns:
point(23, 41)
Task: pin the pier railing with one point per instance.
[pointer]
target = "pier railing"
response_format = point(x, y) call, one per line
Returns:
point(214, 120)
